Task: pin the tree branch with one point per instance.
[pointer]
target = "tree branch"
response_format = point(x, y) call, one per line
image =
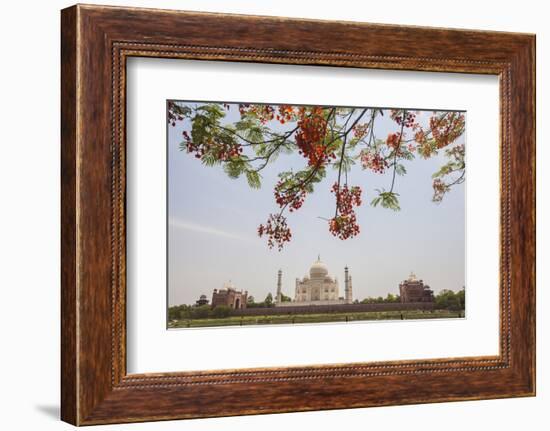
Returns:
point(342, 154)
point(396, 150)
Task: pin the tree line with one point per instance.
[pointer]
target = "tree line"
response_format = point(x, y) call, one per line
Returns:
point(446, 299)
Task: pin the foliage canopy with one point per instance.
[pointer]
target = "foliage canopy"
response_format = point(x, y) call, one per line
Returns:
point(326, 137)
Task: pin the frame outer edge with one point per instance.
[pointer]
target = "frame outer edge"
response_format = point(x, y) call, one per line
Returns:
point(523, 217)
point(69, 201)
point(533, 54)
point(532, 80)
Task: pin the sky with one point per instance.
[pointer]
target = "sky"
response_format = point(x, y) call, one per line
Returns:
point(213, 219)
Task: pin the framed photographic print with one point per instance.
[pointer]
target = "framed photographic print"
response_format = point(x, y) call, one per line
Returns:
point(260, 209)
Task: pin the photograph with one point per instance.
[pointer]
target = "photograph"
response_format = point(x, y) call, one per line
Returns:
point(306, 214)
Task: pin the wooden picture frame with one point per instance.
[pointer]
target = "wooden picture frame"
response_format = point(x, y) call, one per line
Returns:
point(95, 43)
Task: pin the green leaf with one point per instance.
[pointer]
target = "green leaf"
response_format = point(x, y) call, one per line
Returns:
point(347, 163)
point(386, 200)
point(235, 167)
point(376, 201)
point(244, 124)
point(214, 111)
point(210, 160)
point(253, 179)
point(255, 134)
point(182, 110)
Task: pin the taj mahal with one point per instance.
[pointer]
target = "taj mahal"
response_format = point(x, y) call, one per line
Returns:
point(319, 288)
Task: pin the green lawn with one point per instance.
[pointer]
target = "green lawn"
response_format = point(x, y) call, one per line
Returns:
point(315, 318)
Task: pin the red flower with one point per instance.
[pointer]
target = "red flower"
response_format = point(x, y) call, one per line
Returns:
point(447, 129)
point(374, 162)
point(276, 230)
point(344, 224)
point(293, 195)
point(394, 141)
point(310, 137)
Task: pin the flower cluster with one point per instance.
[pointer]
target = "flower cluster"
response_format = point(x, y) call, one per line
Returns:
point(394, 141)
point(264, 113)
point(440, 188)
point(447, 129)
point(397, 116)
point(457, 152)
point(223, 151)
point(373, 161)
point(344, 224)
point(276, 230)
point(344, 227)
point(173, 115)
point(360, 130)
point(286, 114)
point(420, 137)
point(426, 149)
point(310, 136)
point(291, 195)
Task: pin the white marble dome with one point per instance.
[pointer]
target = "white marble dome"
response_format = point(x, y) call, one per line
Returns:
point(318, 270)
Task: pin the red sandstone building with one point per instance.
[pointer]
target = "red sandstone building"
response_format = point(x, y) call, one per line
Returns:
point(230, 297)
point(413, 290)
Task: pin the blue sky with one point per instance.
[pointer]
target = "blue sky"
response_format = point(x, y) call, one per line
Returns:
point(212, 222)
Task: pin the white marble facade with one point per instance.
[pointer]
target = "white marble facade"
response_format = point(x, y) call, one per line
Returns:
point(317, 288)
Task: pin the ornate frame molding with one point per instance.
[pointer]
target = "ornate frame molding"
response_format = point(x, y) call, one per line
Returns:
point(96, 41)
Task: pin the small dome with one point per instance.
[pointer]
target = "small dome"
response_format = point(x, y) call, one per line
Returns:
point(229, 285)
point(318, 270)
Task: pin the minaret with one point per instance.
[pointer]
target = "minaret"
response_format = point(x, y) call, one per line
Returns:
point(347, 286)
point(279, 298)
